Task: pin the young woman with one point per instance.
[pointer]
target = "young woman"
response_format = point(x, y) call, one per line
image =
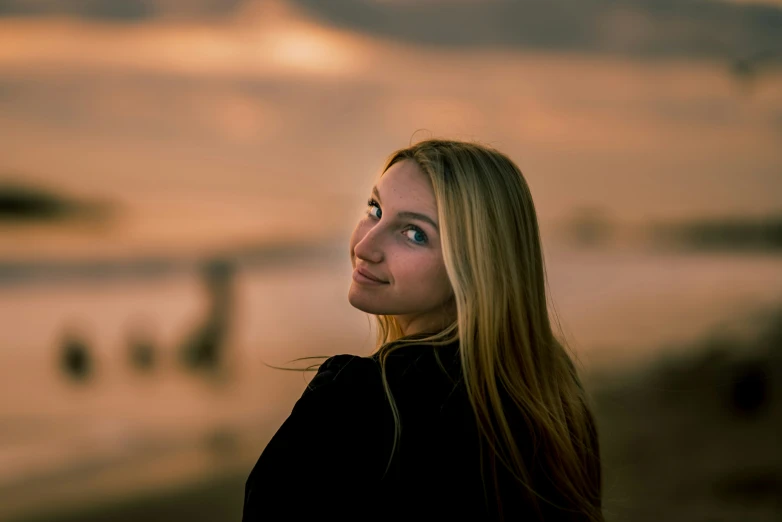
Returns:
point(469, 408)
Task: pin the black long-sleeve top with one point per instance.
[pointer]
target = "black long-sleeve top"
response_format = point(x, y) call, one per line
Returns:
point(328, 459)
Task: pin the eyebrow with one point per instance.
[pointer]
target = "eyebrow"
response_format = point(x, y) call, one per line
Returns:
point(407, 214)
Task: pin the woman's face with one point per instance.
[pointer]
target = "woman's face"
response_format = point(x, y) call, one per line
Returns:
point(398, 243)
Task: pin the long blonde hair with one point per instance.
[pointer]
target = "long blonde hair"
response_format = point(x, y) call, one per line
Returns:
point(511, 361)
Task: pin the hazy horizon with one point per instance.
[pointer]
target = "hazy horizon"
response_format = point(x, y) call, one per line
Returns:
point(269, 125)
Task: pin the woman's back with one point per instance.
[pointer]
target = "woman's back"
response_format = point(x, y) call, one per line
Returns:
point(330, 456)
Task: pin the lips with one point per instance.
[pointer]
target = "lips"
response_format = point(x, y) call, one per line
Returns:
point(369, 275)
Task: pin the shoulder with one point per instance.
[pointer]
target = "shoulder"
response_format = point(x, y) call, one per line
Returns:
point(412, 363)
point(342, 368)
point(344, 376)
point(326, 446)
point(356, 380)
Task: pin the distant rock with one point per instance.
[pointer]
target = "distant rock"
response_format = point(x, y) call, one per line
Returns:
point(20, 202)
point(750, 389)
point(75, 358)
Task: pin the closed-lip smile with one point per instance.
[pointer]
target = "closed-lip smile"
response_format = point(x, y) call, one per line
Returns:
point(368, 275)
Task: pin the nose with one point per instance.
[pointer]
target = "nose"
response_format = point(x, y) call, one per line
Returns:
point(369, 248)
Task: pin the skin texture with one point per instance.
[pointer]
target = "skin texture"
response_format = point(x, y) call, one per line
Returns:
point(403, 251)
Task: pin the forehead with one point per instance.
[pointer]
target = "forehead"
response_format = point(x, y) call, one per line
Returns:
point(404, 183)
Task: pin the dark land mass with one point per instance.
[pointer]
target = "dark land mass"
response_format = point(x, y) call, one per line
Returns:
point(728, 234)
point(23, 202)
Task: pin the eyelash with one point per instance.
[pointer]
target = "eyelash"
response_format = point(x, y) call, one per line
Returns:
point(372, 203)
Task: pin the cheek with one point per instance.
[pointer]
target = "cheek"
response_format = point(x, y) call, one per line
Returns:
point(426, 277)
point(443, 283)
point(440, 281)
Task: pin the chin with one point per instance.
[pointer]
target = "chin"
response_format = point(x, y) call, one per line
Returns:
point(365, 303)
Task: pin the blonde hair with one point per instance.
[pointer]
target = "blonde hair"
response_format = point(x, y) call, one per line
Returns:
point(512, 363)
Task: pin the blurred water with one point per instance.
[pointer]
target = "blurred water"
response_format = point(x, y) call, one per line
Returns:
point(133, 429)
point(56, 432)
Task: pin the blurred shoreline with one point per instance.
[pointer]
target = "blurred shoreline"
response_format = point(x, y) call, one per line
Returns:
point(704, 380)
point(586, 230)
point(259, 256)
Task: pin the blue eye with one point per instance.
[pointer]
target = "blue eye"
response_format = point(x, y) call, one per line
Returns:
point(372, 203)
point(418, 236)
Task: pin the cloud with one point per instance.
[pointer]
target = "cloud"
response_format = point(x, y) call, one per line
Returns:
point(647, 28)
point(119, 10)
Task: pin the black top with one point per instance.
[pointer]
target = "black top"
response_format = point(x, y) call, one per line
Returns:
point(329, 457)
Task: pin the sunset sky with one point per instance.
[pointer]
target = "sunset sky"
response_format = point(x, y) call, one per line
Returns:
point(267, 122)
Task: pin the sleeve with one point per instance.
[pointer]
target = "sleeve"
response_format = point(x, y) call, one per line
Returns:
point(323, 451)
